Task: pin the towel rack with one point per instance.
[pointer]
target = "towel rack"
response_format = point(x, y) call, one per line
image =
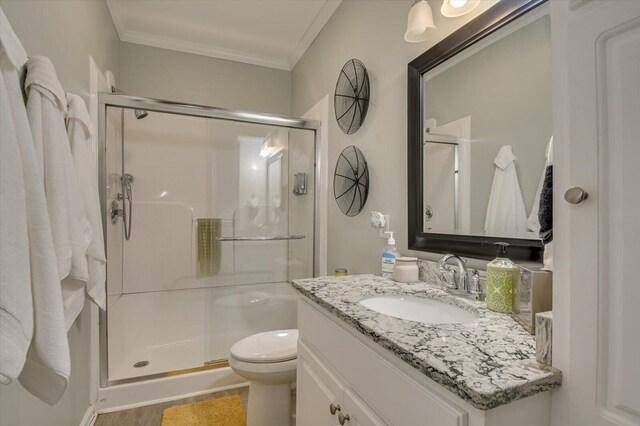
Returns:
point(257, 238)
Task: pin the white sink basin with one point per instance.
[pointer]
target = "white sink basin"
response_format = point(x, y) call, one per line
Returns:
point(418, 309)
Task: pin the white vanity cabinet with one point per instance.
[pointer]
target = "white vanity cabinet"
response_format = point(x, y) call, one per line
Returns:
point(326, 400)
point(340, 367)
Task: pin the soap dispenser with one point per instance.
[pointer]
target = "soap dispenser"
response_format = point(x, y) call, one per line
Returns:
point(502, 282)
point(389, 256)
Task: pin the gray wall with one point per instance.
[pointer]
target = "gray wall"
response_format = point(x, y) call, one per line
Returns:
point(67, 32)
point(373, 32)
point(506, 89)
point(168, 74)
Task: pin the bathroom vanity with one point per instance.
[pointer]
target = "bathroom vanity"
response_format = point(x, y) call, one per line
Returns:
point(358, 366)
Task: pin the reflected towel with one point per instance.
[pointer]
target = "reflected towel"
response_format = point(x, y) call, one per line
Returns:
point(506, 214)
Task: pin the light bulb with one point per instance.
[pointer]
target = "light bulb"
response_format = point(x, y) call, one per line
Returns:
point(453, 8)
point(457, 3)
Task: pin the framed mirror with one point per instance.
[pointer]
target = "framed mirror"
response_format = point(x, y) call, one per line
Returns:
point(479, 130)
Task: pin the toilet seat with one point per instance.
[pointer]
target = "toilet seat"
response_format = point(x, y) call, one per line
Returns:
point(267, 348)
point(263, 372)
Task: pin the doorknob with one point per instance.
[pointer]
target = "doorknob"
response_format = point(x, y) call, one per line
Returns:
point(333, 408)
point(575, 195)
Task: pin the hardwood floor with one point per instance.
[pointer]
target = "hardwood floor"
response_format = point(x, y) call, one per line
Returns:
point(151, 415)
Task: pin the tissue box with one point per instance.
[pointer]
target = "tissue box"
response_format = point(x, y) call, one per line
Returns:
point(535, 289)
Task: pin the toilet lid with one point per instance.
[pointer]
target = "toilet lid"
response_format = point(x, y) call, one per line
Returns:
point(271, 346)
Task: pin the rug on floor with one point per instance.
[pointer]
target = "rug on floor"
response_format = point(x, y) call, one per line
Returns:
point(226, 411)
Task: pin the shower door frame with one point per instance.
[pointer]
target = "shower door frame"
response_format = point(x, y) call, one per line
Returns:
point(115, 100)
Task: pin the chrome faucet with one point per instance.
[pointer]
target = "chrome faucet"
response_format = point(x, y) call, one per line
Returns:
point(466, 287)
point(462, 284)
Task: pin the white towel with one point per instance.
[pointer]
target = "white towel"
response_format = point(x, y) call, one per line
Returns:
point(16, 310)
point(81, 136)
point(47, 365)
point(506, 214)
point(46, 109)
point(533, 223)
point(46, 371)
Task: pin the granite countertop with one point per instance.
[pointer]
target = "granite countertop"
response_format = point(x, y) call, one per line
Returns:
point(487, 363)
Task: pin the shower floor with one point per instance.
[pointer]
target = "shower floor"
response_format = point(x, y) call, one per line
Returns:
point(182, 329)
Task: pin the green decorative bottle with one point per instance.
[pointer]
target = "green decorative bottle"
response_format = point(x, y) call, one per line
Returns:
point(502, 282)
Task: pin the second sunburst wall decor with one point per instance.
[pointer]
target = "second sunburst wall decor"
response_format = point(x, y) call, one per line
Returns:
point(351, 181)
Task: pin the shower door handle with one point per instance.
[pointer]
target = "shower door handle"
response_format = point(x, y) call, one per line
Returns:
point(257, 238)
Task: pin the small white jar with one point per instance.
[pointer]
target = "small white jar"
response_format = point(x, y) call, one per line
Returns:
point(406, 270)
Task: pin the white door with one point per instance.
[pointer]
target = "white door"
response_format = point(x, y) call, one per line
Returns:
point(596, 344)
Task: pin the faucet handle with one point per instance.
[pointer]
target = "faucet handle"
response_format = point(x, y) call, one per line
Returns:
point(475, 288)
point(441, 266)
point(451, 279)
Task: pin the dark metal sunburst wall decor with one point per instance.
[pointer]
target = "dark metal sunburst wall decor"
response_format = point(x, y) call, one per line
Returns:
point(351, 99)
point(351, 181)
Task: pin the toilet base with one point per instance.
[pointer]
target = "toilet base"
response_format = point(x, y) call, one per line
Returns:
point(269, 405)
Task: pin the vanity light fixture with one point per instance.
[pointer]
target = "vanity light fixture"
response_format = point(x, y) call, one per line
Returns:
point(454, 8)
point(419, 22)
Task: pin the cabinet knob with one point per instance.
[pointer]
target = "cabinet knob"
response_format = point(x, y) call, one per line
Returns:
point(575, 195)
point(343, 418)
point(333, 408)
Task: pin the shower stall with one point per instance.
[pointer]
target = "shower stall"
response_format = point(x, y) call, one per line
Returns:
point(208, 214)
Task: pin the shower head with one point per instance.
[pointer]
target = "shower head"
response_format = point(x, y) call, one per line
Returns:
point(140, 113)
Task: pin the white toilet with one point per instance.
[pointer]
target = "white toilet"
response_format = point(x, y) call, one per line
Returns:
point(268, 360)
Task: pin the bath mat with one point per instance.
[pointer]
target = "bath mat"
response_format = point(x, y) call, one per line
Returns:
point(226, 411)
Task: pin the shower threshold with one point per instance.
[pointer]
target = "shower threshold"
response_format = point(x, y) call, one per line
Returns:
point(210, 365)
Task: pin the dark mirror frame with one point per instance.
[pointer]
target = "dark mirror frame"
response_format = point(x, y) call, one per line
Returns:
point(476, 246)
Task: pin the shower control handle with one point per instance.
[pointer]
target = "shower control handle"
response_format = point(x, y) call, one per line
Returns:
point(334, 408)
point(115, 212)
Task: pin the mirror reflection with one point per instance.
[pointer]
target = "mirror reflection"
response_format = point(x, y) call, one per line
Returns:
point(487, 128)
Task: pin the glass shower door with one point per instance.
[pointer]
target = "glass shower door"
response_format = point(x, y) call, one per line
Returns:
point(221, 218)
point(266, 231)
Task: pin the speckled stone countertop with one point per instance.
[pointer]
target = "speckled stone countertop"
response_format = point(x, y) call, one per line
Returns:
point(487, 363)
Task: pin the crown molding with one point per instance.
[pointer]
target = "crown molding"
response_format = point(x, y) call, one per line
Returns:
point(314, 29)
point(203, 49)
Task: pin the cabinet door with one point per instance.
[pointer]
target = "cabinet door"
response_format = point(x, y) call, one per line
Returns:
point(358, 412)
point(316, 391)
point(596, 343)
